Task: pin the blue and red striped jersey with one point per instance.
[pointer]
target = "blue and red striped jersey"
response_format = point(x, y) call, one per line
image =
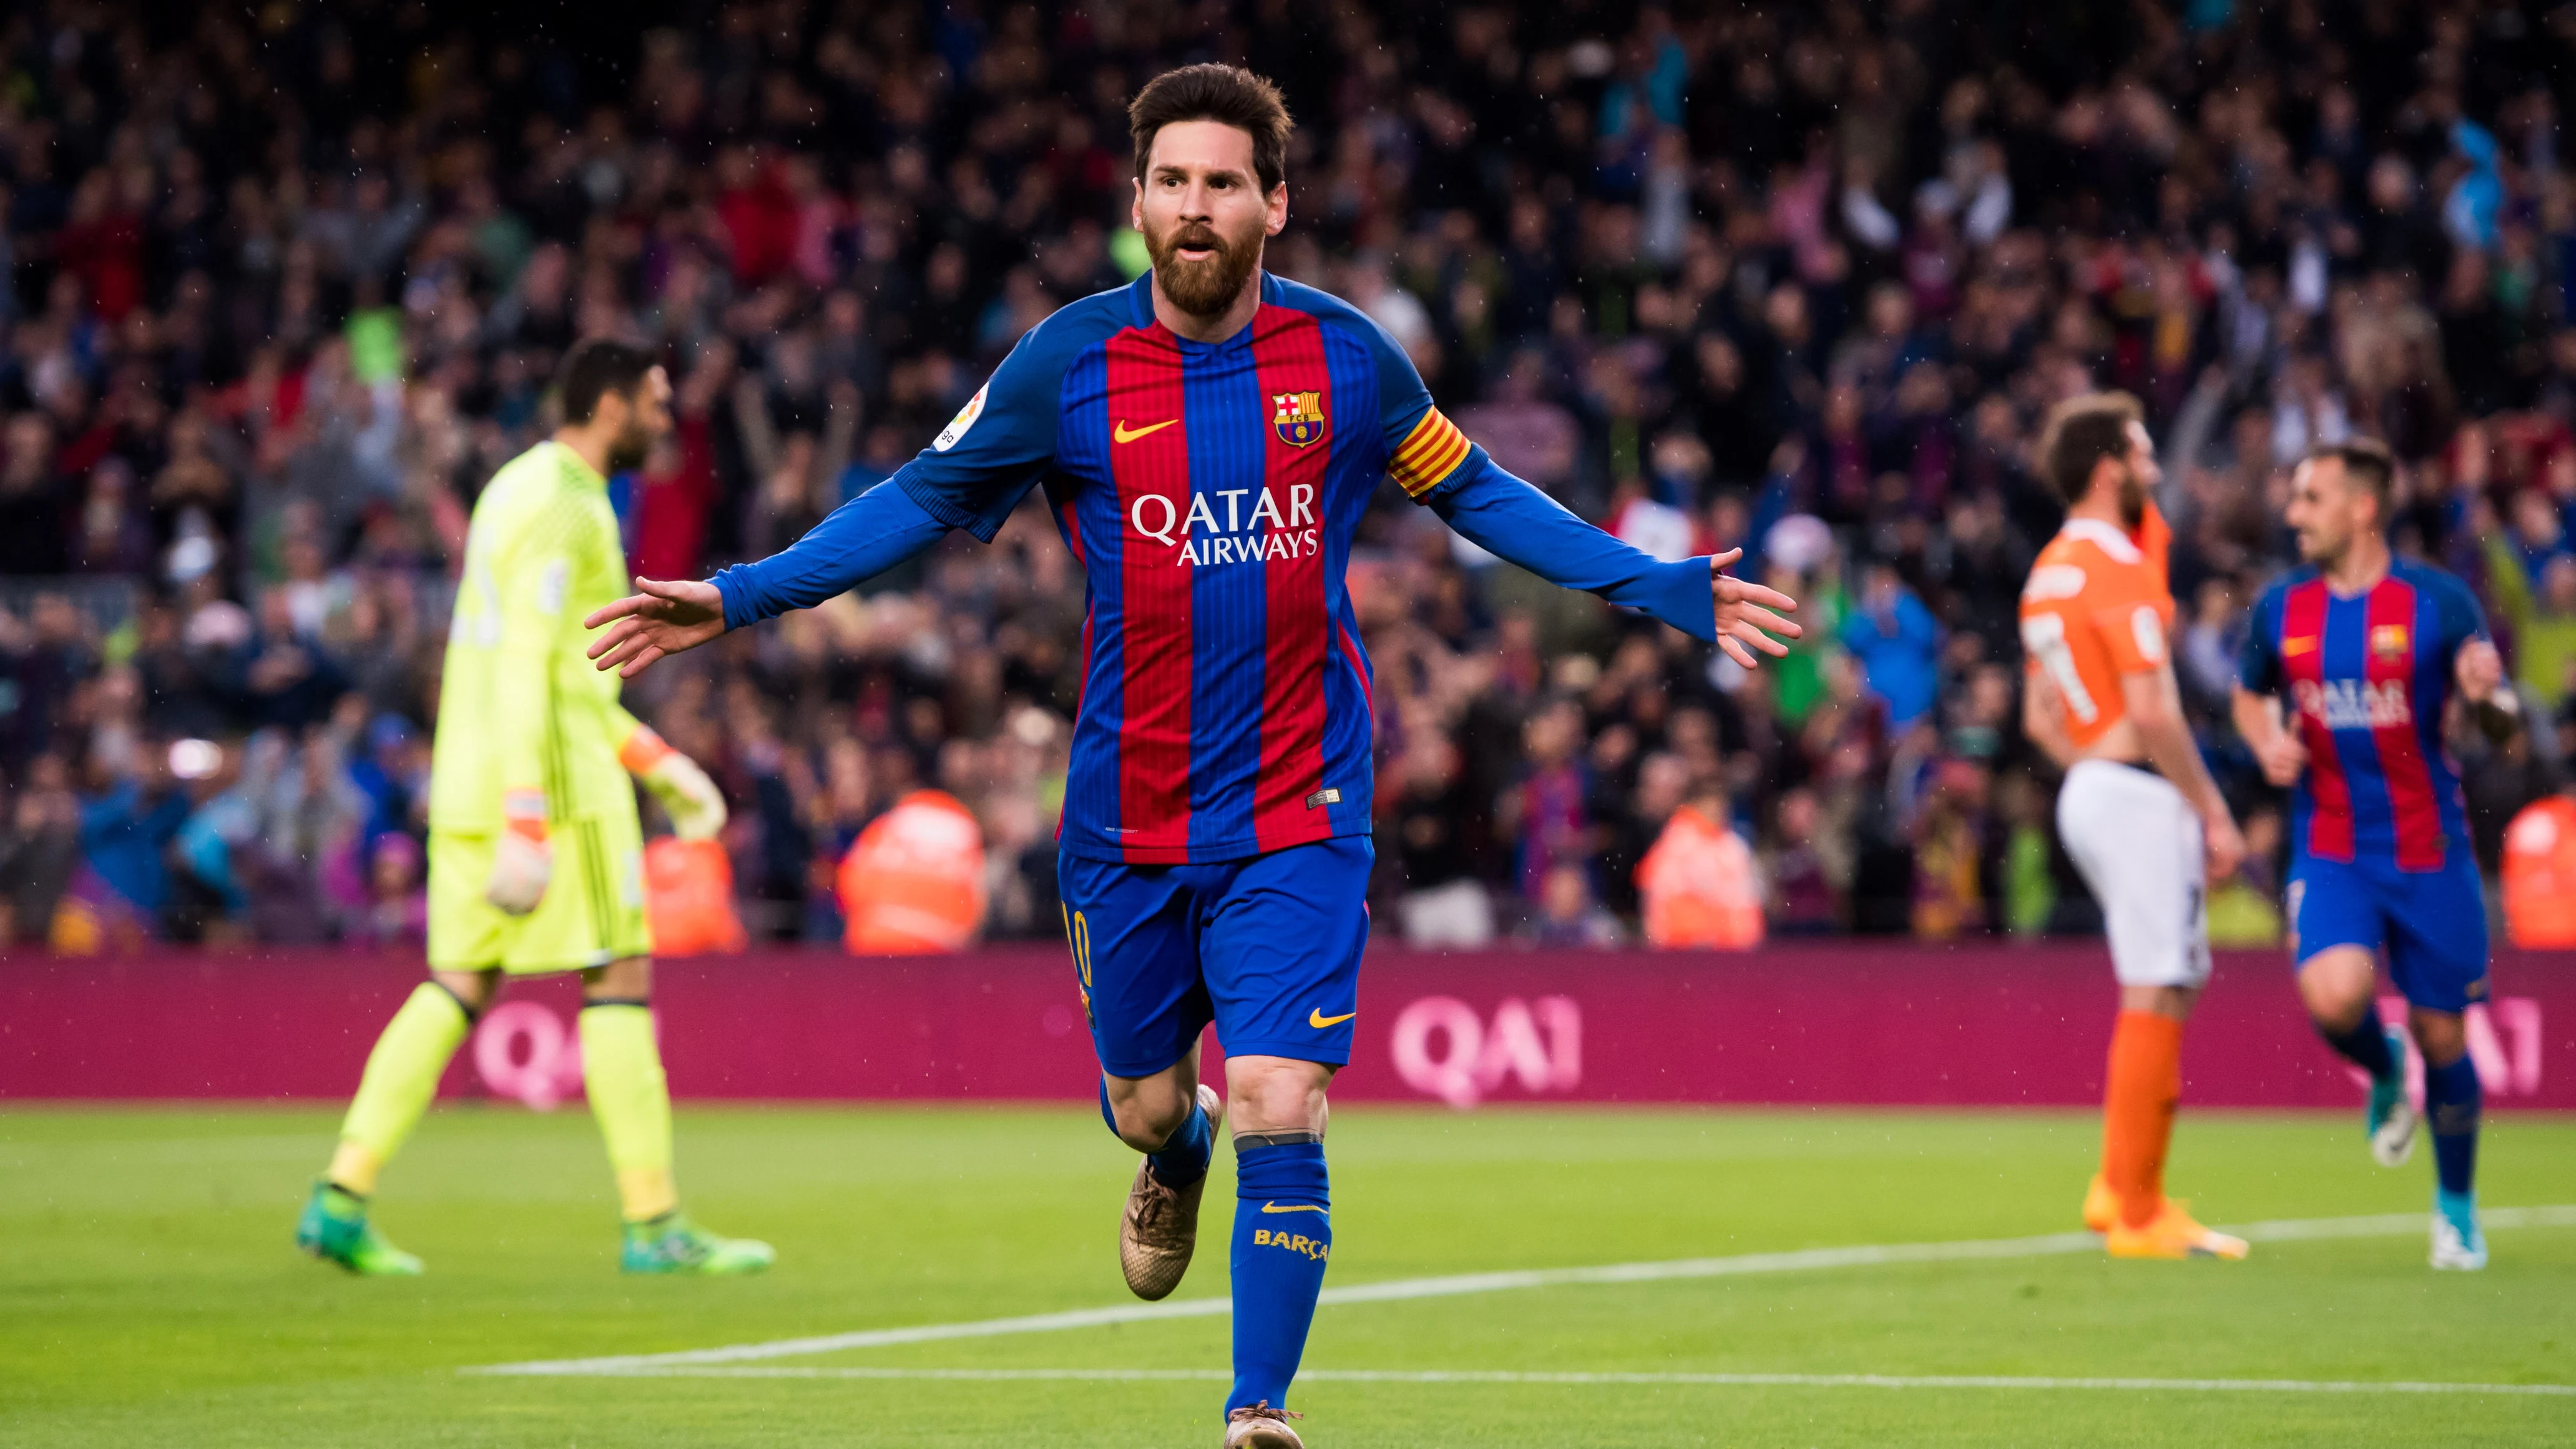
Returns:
point(1210, 493)
point(2368, 679)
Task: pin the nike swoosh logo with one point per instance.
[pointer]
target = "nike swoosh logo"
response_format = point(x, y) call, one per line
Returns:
point(1272, 1207)
point(1318, 1020)
point(1124, 434)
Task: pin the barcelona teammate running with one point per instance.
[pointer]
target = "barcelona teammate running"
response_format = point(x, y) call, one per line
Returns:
point(535, 858)
point(2371, 650)
point(1208, 438)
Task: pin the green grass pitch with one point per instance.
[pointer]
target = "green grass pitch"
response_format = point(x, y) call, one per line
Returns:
point(149, 1294)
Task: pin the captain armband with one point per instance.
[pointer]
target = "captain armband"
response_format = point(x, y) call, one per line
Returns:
point(1429, 454)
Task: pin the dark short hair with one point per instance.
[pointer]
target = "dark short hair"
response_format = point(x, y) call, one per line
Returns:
point(2365, 461)
point(596, 368)
point(2081, 432)
point(1226, 94)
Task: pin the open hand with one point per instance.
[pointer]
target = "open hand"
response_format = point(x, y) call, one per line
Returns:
point(2222, 844)
point(2283, 758)
point(2479, 669)
point(664, 618)
point(1744, 613)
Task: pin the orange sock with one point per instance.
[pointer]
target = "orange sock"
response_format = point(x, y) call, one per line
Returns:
point(2138, 1111)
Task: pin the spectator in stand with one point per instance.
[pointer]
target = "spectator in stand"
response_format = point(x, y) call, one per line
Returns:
point(1898, 644)
point(126, 825)
point(264, 334)
point(2542, 619)
point(1443, 904)
point(1545, 811)
point(40, 848)
point(1568, 915)
point(1699, 884)
point(1804, 899)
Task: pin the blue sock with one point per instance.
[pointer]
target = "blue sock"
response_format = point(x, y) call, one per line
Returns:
point(2365, 1046)
point(2452, 1103)
point(1283, 1233)
point(1184, 1159)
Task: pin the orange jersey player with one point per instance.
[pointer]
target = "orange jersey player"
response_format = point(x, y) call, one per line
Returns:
point(2138, 813)
point(2097, 606)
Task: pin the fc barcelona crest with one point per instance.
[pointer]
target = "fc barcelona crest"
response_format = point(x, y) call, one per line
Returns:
point(1299, 417)
point(2388, 641)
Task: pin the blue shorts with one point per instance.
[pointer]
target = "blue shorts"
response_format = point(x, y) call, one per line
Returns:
point(2433, 923)
point(1267, 947)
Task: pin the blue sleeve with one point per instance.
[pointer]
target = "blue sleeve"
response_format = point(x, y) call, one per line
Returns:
point(971, 476)
point(1435, 464)
point(1513, 519)
point(855, 542)
point(988, 457)
point(2258, 662)
point(2457, 613)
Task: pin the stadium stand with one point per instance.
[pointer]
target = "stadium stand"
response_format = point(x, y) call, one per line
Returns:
point(284, 286)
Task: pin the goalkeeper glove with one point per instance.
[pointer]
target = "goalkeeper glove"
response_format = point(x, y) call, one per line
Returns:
point(695, 805)
point(522, 863)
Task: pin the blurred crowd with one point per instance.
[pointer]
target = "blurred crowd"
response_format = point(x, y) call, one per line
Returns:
point(285, 285)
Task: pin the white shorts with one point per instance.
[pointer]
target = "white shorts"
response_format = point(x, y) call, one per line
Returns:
point(2137, 842)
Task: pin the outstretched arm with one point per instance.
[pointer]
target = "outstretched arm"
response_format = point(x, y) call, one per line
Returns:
point(971, 476)
point(1513, 519)
point(859, 540)
point(1437, 466)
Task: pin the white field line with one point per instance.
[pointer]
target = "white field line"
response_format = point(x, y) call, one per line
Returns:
point(1401, 1289)
point(1481, 1376)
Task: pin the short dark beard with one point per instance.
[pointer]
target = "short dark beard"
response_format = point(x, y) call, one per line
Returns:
point(1202, 289)
point(2133, 499)
point(628, 450)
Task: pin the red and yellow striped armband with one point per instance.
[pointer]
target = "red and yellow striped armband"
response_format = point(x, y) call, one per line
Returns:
point(1430, 453)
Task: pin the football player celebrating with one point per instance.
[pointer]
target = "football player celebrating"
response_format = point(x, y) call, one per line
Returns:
point(2370, 651)
point(1208, 439)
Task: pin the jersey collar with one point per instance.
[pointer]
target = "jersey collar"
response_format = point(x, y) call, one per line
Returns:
point(573, 466)
point(1140, 304)
point(2104, 536)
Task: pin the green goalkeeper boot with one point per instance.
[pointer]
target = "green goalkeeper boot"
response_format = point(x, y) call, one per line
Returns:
point(335, 1229)
point(673, 1244)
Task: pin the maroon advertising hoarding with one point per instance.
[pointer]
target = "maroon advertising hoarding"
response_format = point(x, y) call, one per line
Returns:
point(1890, 1024)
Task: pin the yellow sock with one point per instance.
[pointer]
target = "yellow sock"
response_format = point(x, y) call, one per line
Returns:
point(402, 1075)
point(621, 1070)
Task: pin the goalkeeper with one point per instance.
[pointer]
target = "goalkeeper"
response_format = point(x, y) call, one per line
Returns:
point(535, 856)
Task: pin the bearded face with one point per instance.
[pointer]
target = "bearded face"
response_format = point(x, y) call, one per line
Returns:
point(2133, 498)
point(1200, 269)
point(631, 446)
point(648, 417)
